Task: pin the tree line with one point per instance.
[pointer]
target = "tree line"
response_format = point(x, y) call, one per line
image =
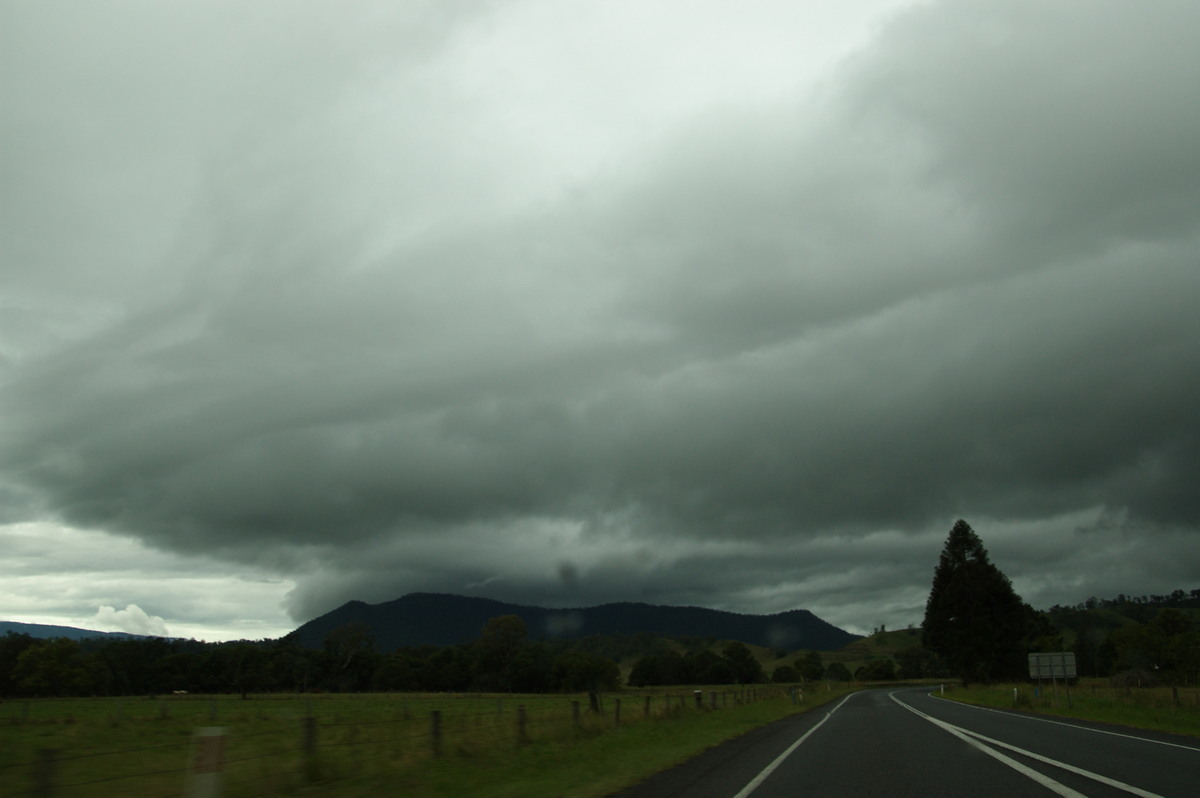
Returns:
point(1176, 599)
point(502, 659)
point(737, 665)
point(977, 628)
point(734, 665)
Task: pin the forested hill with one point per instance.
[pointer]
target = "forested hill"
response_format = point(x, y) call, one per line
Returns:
point(440, 619)
point(42, 631)
point(1123, 610)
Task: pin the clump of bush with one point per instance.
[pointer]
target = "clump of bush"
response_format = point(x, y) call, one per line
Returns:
point(1135, 678)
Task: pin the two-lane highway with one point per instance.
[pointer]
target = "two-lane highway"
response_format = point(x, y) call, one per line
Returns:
point(906, 743)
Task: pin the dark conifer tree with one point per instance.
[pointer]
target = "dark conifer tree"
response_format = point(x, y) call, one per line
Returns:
point(974, 620)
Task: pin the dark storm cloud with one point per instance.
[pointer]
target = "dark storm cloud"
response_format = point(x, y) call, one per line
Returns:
point(764, 364)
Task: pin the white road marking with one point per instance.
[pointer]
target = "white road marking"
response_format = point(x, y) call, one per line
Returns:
point(1073, 725)
point(976, 739)
point(769, 769)
point(1028, 772)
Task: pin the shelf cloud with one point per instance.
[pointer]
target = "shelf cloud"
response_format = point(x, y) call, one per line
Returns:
point(672, 304)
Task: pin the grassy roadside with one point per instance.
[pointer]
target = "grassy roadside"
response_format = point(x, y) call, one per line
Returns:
point(1157, 709)
point(595, 766)
point(368, 745)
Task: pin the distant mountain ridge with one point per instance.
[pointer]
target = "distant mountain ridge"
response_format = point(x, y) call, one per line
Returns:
point(46, 631)
point(442, 619)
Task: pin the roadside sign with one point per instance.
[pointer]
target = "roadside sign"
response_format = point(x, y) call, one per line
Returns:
point(1052, 665)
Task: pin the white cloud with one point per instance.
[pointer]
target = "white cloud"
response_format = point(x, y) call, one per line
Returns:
point(51, 574)
point(133, 619)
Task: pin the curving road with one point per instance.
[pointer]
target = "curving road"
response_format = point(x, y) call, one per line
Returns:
point(905, 742)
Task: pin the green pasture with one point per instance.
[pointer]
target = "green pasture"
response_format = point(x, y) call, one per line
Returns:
point(853, 655)
point(881, 644)
point(360, 745)
point(1168, 709)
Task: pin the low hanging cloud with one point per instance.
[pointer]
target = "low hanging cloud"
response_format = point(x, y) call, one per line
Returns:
point(133, 619)
point(367, 329)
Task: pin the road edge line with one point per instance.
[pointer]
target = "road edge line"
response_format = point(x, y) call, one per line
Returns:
point(1024, 770)
point(972, 736)
point(769, 769)
point(1042, 719)
point(1110, 782)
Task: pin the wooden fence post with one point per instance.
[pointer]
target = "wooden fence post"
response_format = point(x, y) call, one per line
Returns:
point(45, 769)
point(308, 748)
point(208, 761)
point(435, 731)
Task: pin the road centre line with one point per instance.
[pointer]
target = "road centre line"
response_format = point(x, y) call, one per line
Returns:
point(1071, 725)
point(769, 769)
point(976, 739)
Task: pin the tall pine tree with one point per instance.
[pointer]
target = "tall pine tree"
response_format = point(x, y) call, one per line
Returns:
point(974, 620)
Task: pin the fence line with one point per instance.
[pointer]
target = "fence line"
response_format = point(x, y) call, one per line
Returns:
point(300, 741)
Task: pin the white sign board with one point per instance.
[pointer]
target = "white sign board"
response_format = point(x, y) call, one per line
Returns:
point(1052, 665)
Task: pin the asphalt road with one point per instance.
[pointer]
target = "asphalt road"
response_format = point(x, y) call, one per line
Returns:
point(897, 743)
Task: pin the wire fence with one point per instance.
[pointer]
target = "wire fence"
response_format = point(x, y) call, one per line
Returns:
point(211, 747)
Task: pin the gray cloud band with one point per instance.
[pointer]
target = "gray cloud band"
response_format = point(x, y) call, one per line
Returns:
point(963, 286)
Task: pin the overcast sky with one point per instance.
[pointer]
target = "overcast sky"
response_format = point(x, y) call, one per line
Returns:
point(565, 302)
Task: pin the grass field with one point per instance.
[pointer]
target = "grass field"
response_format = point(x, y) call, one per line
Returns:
point(1175, 710)
point(359, 745)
